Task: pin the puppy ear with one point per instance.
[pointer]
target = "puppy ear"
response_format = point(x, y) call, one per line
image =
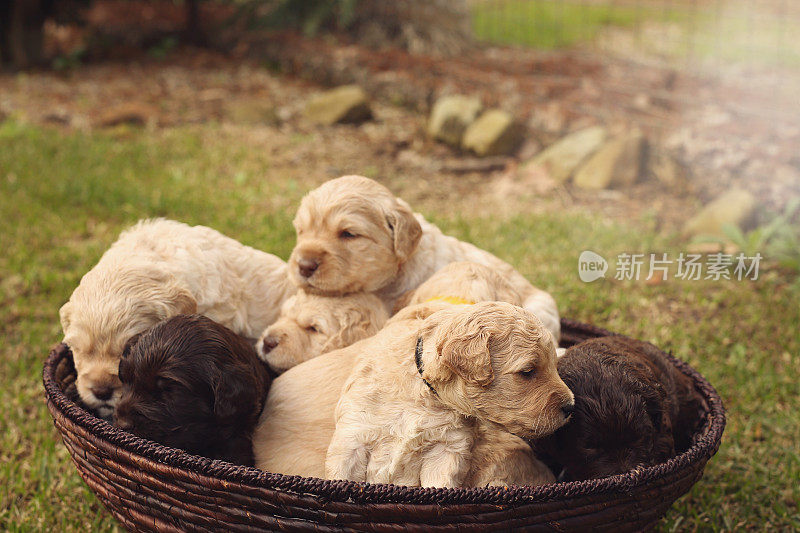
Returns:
point(406, 230)
point(65, 314)
point(130, 344)
point(463, 354)
point(469, 358)
point(657, 408)
point(357, 324)
point(124, 370)
point(158, 292)
point(664, 445)
point(657, 405)
point(234, 394)
point(182, 302)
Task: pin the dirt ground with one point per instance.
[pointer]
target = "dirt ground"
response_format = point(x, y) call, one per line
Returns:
point(728, 125)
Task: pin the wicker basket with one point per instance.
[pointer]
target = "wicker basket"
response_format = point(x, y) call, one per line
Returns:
point(149, 487)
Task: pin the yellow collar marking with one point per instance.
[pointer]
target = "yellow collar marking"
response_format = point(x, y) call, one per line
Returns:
point(455, 300)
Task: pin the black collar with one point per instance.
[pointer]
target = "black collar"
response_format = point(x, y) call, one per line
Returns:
point(418, 360)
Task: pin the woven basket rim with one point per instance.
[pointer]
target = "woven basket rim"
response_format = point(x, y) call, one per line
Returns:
point(705, 446)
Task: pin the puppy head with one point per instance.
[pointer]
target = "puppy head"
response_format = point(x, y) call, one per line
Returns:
point(109, 307)
point(464, 280)
point(352, 235)
point(311, 325)
point(193, 384)
point(620, 420)
point(496, 362)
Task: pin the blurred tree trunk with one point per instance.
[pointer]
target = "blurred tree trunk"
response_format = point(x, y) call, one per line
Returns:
point(22, 31)
point(194, 33)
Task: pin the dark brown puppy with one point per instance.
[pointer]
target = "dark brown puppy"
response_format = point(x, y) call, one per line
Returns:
point(193, 384)
point(632, 408)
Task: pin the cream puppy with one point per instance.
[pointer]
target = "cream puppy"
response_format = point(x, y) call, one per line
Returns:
point(418, 405)
point(311, 325)
point(471, 282)
point(354, 235)
point(297, 423)
point(157, 269)
point(462, 282)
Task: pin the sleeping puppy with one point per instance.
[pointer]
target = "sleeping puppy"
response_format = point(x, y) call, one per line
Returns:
point(462, 282)
point(158, 269)
point(421, 406)
point(632, 409)
point(311, 325)
point(354, 235)
point(193, 384)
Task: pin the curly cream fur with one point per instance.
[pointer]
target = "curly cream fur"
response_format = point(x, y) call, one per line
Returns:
point(157, 269)
point(311, 325)
point(365, 239)
point(298, 420)
point(464, 280)
point(296, 425)
point(493, 367)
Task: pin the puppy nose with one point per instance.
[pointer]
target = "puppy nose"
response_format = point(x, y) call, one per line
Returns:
point(102, 392)
point(307, 267)
point(568, 409)
point(269, 344)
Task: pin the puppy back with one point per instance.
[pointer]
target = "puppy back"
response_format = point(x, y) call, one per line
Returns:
point(686, 403)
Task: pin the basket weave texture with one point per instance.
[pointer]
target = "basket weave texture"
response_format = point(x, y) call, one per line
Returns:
point(149, 487)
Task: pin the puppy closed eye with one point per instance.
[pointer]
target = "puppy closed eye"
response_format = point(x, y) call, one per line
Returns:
point(312, 328)
point(126, 350)
point(346, 234)
point(527, 374)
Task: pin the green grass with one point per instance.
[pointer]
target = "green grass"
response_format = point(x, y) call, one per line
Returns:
point(732, 31)
point(64, 198)
point(549, 24)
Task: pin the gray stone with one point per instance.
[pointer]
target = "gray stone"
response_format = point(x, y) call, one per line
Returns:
point(733, 207)
point(483, 165)
point(450, 117)
point(345, 104)
point(562, 158)
point(494, 133)
point(616, 164)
